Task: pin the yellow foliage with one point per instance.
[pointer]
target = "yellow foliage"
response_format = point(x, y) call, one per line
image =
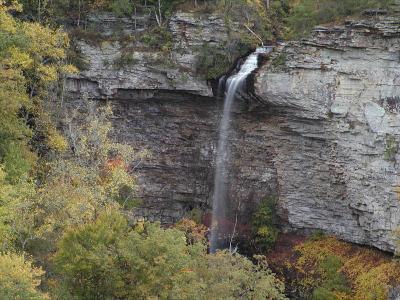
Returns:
point(117, 179)
point(69, 69)
point(19, 279)
point(57, 142)
point(31, 57)
point(12, 5)
point(194, 232)
point(369, 272)
point(45, 42)
point(8, 24)
point(18, 58)
point(375, 283)
point(47, 73)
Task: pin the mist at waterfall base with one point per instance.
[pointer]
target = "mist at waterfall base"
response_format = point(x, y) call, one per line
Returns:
point(220, 237)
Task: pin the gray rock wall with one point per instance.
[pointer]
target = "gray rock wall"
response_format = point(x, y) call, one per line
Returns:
point(147, 69)
point(322, 137)
point(337, 96)
point(181, 137)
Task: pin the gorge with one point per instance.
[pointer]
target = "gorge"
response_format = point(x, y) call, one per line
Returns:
point(319, 131)
point(158, 149)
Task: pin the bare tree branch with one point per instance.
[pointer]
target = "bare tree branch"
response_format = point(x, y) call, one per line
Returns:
point(255, 34)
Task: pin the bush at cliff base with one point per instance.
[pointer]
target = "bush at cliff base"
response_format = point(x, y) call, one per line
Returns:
point(326, 268)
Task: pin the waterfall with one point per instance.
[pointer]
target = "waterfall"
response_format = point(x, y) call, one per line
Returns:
point(219, 210)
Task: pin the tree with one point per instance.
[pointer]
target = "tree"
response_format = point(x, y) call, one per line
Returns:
point(31, 57)
point(227, 276)
point(161, 8)
point(19, 279)
point(264, 229)
point(75, 185)
point(306, 14)
point(108, 259)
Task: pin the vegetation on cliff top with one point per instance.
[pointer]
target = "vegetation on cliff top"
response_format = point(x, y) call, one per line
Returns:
point(268, 19)
point(249, 23)
point(305, 14)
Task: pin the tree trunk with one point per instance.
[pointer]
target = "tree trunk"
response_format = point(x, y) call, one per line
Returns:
point(39, 10)
point(159, 12)
point(79, 13)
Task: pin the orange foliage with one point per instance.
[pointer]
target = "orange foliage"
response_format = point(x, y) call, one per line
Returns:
point(114, 163)
point(110, 166)
point(194, 232)
point(369, 272)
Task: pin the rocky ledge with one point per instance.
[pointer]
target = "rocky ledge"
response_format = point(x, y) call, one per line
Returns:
point(125, 63)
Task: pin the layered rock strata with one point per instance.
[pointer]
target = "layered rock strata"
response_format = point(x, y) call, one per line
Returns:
point(336, 98)
point(321, 133)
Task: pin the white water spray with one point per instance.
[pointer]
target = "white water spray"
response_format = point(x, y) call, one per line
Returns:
point(234, 84)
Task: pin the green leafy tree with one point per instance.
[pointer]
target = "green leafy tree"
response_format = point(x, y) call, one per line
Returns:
point(122, 7)
point(227, 276)
point(333, 281)
point(107, 259)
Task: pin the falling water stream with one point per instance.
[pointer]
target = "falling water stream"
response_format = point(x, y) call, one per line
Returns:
point(234, 84)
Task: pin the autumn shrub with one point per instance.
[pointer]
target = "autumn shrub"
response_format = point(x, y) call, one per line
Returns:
point(19, 279)
point(331, 269)
point(194, 232)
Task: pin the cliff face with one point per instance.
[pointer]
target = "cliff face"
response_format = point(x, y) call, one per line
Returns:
point(162, 104)
point(321, 137)
point(336, 100)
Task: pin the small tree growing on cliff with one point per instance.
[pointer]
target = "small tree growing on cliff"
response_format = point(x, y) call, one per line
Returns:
point(162, 8)
point(263, 225)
